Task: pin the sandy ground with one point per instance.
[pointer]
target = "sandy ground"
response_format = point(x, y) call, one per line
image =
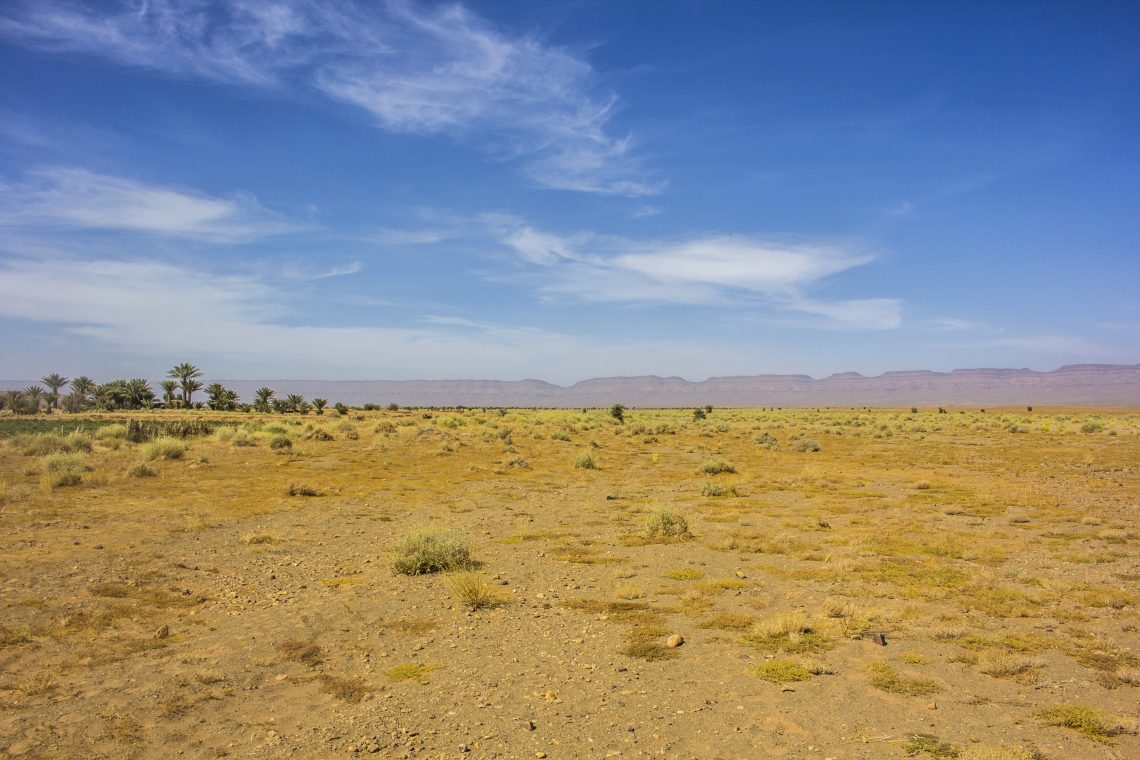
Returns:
point(204, 612)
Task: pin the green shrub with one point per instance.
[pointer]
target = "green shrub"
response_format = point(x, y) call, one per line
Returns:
point(808, 445)
point(717, 467)
point(301, 489)
point(712, 488)
point(280, 443)
point(140, 470)
point(666, 525)
point(585, 461)
point(431, 551)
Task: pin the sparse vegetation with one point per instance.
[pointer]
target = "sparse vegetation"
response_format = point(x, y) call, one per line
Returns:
point(431, 551)
point(816, 556)
point(665, 525)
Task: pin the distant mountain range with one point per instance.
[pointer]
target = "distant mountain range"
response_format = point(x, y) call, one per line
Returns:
point(1081, 384)
point(1078, 384)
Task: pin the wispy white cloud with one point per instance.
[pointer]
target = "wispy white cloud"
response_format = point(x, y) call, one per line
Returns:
point(70, 197)
point(713, 269)
point(861, 313)
point(953, 324)
point(299, 272)
point(243, 325)
point(421, 69)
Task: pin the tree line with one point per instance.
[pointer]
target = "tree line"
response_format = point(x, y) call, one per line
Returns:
point(183, 381)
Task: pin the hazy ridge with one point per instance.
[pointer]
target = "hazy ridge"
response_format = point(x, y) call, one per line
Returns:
point(1079, 384)
point(1091, 384)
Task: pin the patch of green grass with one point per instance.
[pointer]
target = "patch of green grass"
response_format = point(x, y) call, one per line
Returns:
point(410, 671)
point(781, 671)
point(1084, 720)
point(885, 678)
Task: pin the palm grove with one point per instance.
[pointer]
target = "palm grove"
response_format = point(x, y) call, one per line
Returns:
point(183, 381)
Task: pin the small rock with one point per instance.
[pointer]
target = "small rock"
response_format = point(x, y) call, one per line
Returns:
point(787, 688)
point(741, 574)
point(540, 754)
point(932, 706)
point(530, 725)
point(162, 632)
point(675, 641)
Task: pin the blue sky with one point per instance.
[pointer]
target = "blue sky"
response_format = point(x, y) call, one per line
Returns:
point(566, 190)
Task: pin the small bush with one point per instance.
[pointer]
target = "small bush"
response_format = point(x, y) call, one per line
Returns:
point(768, 441)
point(585, 461)
point(666, 525)
point(280, 443)
point(712, 488)
point(1092, 427)
point(560, 436)
point(301, 489)
point(431, 551)
point(716, 468)
point(808, 445)
point(140, 470)
point(164, 448)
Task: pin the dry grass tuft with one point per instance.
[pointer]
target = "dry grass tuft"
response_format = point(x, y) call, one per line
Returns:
point(351, 690)
point(1085, 720)
point(306, 652)
point(886, 678)
point(431, 551)
point(473, 590)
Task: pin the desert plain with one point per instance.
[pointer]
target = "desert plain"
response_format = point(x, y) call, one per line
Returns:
point(842, 583)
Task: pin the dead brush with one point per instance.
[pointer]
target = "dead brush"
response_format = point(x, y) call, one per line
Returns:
point(473, 590)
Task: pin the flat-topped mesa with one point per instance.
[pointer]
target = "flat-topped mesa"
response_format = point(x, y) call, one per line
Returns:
point(1080, 384)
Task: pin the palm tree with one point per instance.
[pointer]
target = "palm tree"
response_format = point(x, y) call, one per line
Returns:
point(14, 400)
point(294, 402)
point(319, 404)
point(168, 390)
point(261, 398)
point(82, 388)
point(54, 382)
point(221, 398)
point(187, 375)
point(139, 393)
point(33, 394)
